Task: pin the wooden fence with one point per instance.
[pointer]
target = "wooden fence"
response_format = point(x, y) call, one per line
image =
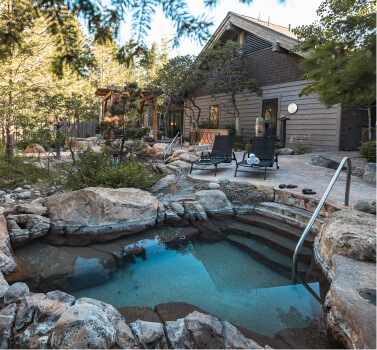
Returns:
point(83, 129)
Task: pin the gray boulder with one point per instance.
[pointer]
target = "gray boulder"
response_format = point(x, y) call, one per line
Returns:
point(204, 330)
point(7, 262)
point(350, 305)
point(199, 148)
point(366, 206)
point(97, 214)
point(178, 335)
point(350, 233)
point(123, 335)
point(178, 167)
point(286, 151)
point(188, 157)
point(3, 287)
point(243, 194)
point(213, 186)
point(32, 208)
point(26, 309)
point(83, 326)
point(7, 317)
point(61, 297)
point(33, 226)
point(194, 211)
point(16, 292)
point(325, 162)
point(215, 203)
point(150, 335)
point(166, 185)
point(24, 195)
point(370, 172)
point(233, 338)
point(177, 208)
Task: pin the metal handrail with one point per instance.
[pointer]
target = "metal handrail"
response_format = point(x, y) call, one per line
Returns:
point(319, 206)
point(171, 145)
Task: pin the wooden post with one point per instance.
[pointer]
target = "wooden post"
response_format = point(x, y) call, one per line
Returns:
point(155, 119)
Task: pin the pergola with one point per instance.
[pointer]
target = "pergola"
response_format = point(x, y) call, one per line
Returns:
point(145, 97)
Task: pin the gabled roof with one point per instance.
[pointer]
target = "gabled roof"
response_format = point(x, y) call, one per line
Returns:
point(268, 31)
point(280, 29)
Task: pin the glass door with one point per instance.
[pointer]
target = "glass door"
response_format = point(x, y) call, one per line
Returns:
point(270, 112)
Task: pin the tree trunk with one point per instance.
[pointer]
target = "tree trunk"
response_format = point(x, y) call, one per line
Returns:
point(9, 140)
point(123, 141)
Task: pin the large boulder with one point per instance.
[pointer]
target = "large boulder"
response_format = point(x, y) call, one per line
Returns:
point(83, 326)
point(350, 233)
point(34, 148)
point(199, 148)
point(204, 330)
point(33, 208)
point(7, 316)
point(242, 195)
point(123, 335)
point(215, 203)
point(365, 205)
point(16, 292)
point(178, 167)
point(166, 185)
point(268, 190)
point(159, 148)
point(150, 335)
point(23, 228)
point(3, 287)
point(370, 172)
point(350, 305)
point(194, 211)
point(101, 214)
point(324, 162)
point(7, 262)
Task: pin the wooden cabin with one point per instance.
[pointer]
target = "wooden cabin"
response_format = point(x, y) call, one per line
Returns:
point(278, 73)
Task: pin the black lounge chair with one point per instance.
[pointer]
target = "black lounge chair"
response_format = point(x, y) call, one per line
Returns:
point(222, 152)
point(264, 149)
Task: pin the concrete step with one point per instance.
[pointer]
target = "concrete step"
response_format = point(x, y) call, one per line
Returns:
point(290, 215)
point(275, 260)
point(283, 229)
point(304, 202)
point(271, 239)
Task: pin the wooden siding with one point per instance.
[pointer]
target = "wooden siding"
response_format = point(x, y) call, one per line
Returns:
point(323, 128)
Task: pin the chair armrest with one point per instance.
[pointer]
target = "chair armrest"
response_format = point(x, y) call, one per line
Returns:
point(248, 155)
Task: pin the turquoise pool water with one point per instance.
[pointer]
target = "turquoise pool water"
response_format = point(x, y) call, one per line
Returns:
point(219, 278)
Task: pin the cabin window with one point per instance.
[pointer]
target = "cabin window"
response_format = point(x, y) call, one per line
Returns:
point(214, 115)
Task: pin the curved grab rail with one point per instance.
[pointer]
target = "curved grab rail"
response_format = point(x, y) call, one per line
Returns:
point(319, 206)
point(171, 145)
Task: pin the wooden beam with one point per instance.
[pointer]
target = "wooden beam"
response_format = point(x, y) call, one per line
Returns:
point(104, 109)
point(106, 96)
point(146, 100)
point(149, 97)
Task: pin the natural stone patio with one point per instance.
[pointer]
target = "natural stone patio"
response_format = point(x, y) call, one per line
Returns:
point(296, 170)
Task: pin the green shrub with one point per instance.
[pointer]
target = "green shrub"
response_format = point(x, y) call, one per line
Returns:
point(137, 133)
point(98, 171)
point(368, 151)
point(208, 124)
point(19, 170)
point(278, 144)
point(231, 127)
point(88, 134)
point(239, 143)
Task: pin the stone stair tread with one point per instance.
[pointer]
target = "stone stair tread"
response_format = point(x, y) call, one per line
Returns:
point(267, 235)
point(267, 252)
point(276, 226)
point(293, 210)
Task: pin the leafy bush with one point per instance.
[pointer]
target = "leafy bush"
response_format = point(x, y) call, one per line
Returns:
point(278, 144)
point(98, 171)
point(137, 133)
point(231, 127)
point(18, 170)
point(239, 143)
point(88, 134)
point(208, 124)
point(368, 151)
